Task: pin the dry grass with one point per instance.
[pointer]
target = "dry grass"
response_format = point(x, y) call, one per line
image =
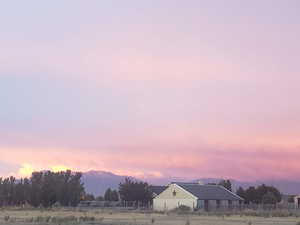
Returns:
point(114, 217)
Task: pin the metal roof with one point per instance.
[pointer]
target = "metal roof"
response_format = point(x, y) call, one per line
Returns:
point(157, 189)
point(209, 192)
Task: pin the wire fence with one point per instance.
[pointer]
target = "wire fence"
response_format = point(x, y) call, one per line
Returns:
point(210, 207)
point(114, 204)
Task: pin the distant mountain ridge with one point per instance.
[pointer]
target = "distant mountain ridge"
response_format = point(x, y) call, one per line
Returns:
point(96, 182)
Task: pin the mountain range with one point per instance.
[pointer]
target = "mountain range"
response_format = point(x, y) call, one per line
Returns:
point(96, 182)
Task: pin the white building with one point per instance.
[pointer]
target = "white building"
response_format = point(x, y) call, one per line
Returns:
point(196, 196)
point(297, 201)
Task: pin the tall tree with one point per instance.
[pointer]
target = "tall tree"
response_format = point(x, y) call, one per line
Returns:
point(131, 190)
point(241, 192)
point(107, 195)
point(269, 198)
point(42, 189)
point(36, 181)
point(260, 194)
point(114, 195)
point(226, 184)
point(89, 197)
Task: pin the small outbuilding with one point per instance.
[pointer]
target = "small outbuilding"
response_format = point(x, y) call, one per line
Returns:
point(297, 201)
point(196, 196)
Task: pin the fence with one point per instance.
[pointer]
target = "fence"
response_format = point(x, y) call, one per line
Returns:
point(114, 204)
point(148, 206)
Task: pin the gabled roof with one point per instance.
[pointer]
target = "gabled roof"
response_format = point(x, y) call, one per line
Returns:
point(209, 192)
point(157, 189)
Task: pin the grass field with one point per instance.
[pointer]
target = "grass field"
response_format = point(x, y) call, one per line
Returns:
point(110, 217)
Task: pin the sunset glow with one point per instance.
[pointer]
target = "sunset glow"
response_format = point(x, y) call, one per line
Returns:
point(151, 89)
point(26, 170)
point(60, 168)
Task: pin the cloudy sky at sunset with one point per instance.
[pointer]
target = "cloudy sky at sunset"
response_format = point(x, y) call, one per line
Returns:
point(151, 89)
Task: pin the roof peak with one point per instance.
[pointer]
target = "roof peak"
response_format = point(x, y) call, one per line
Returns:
point(200, 184)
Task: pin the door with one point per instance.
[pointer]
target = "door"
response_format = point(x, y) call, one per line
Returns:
point(206, 205)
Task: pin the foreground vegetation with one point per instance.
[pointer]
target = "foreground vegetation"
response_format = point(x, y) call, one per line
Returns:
point(65, 216)
point(42, 189)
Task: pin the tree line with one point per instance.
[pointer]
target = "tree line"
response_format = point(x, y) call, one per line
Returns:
point(225, 183)
point(42, 189)
point(66, 188)
point(262, 194)
point(109, 195)
point(130, 190)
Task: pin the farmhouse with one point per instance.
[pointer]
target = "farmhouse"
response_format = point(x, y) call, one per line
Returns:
point(196, 196)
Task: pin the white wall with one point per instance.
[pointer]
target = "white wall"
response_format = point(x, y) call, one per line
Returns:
point(296, 201)
point(167, 200)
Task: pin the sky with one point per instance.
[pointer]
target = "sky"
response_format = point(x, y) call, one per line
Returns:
point(151, 89)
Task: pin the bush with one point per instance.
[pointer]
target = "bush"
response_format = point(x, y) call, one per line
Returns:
point(153, 220)
point(65, 219)
point(182, 209)
point(87, 218)
point(6, 218)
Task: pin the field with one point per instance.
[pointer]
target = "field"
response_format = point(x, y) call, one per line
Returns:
point(113, 217)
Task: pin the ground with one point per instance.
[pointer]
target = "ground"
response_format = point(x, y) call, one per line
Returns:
point(113, 217)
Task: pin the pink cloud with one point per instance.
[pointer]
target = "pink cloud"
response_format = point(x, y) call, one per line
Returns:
point(174, 151)
point(190, 98)
point(164, 161)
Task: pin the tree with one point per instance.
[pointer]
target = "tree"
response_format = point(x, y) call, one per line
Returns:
point(19, 193)
point(260, 194)
point(252, 195)
point(226, 184)
point(111, 195)
point(48, 193)
point(89, 197)
point(36, 186)
point(107, 195)
point(114, 196)
point(241, 192)
point(43, 188)
point(264, 189)
point(132, 190)
point(269, 198)
point(99, 198)
point(76, 189)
